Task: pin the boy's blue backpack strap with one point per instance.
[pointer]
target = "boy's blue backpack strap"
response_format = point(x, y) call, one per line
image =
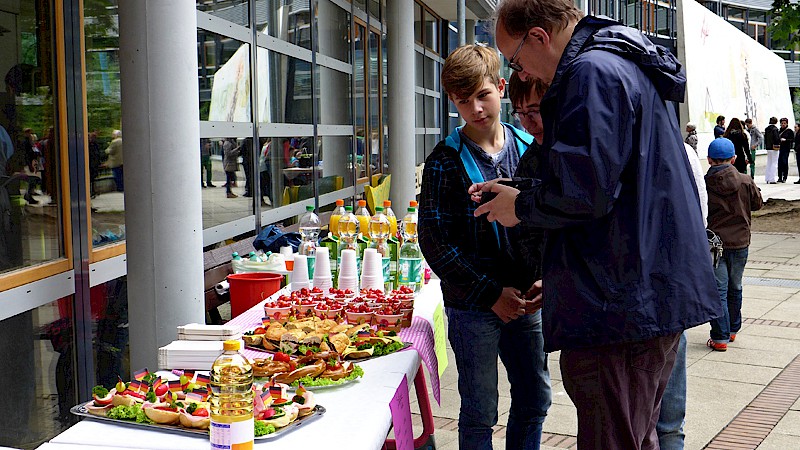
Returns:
point(524, 140)
point(473, 172)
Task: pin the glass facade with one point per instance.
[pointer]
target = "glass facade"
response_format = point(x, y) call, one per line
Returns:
point(293, 109)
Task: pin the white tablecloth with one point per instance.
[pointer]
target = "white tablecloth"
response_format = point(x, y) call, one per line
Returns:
point(357, 416)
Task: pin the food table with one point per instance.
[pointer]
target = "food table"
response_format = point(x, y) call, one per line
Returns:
point(357, 413)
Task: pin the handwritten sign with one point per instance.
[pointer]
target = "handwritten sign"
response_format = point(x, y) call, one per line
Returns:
point(440, 338)
point(401, 417)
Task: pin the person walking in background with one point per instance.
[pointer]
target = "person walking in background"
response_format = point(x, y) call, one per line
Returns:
point(735, 133)
point(731, 198)
point(230, 164)
point(114, 161)
point(691, 136)
point(772, 144)
point(756, 141)
point(95, 161)
point(719, 129)
point(797, 149)
point(612, 162)
point(205, 162)
point(786, 142)
point(265, 177)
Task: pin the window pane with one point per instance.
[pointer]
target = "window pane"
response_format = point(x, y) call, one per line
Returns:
point(375, 126)
point(419, 104)
point(418, 23)
point(431, 72)
point(335, 169)
point(360, 4)
point(228, 160)
point(431, 112)
point(419, 60)
point(40, 384)
point(334, 99)
point(431, 32)
point(284, 88)
point(735, 13)
point(758, 16)
point(375, 9)
point(109, 303)
point(288, 21)
point(236, 11)
point(30, 161)
point(333, 27)
point(286, 171)
point(420, 148)
point(224, 78)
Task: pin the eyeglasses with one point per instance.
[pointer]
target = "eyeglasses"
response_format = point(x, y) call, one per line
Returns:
point(530, 115)
point(513, 64)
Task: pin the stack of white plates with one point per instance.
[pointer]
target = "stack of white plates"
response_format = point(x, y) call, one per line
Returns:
point(197, 355)
point(202, 332)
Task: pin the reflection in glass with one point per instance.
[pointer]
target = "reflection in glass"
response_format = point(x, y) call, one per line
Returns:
point(39, 384)
point(109, 303)
point(334, 156)
point(236, 11)
point(431, 112)
point(431, 32)
point(333, 28)
point(334, 90)
point(223, 77)
point(287, 21)
point(419, 60)
point(375, 127)
point(419, 145)
point(30, 225)
point(285, 170)
point(419, 106)
point(418, 22)
point(226, 197)
point(375, 9)
point(431, 71)
point(284, 88)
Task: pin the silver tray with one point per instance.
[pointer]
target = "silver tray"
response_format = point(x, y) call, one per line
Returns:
point(81, 410)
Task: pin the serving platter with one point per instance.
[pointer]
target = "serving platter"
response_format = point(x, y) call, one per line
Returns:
point(82, 411)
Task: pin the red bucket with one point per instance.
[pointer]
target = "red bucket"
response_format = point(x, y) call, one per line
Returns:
point(247, 289)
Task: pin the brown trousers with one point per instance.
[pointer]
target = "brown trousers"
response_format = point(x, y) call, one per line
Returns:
point(617, 391)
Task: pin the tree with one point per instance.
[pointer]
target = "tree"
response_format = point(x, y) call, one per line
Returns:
point(785, 23)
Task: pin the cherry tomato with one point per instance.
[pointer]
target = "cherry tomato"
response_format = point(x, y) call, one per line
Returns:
point(281, 357)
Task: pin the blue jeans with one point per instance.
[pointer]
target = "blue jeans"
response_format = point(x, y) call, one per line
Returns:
point(477, 339)
point(729, 284)
point(118, 178)
point(673, 404)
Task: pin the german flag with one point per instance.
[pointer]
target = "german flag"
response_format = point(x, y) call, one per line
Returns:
point(140, 374)
point(158, 382)
point(202, 380)
point(174, 386)
point(188, 373)
point(195, 395)
point(135, 385)
point(265, 321)
point(203, 393)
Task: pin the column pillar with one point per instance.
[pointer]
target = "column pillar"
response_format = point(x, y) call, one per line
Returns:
point(470, 31)
point(461, 12)
point(163, 208)
point(400, 60)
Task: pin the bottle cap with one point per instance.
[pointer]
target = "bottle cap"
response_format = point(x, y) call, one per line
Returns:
point(340, 202)
point(309, 208)
point(235, 254)
point(387, 203)
point(362, 203)
point(413, 203)
point(378, 209)
point(231, 346)
point(411, 209)
point(348, 208)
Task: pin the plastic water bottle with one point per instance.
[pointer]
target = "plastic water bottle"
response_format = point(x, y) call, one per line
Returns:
point(252, 256)
point(309, 233)
point(363, 216)
point(348, 232)
point(235, 256)
point(409, 268)
point(337, 214)
point(378, 234)
point(231, 399)
point(387, 209)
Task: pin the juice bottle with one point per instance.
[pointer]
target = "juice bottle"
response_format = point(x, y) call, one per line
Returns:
point(387, 209)
point(378, 235)
point(348, 233)
point(337, 213)
point(231, 400)
point(309, 235)
point(363, 216)
point(409, 266)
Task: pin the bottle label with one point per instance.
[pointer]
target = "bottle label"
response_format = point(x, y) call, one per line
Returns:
point(311, 262)
point(232, 436)
point(409, 271)
point(386, 268)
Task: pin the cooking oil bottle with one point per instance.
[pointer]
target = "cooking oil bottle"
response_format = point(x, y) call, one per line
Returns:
point(231, 400)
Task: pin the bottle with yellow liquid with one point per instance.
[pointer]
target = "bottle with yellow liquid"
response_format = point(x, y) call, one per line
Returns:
point(378, 237)
point(387, 209)
point(348, 233)
point(231, 400)
point(409, 266)
point(337, 214)
point(363, 216)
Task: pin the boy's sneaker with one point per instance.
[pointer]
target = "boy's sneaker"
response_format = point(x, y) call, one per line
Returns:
point(733, 337)
point(717, 346)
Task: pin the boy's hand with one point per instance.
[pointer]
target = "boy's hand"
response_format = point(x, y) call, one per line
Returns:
point(476, 189)
point(509, 306)
point(502, 208)
point(534, 298)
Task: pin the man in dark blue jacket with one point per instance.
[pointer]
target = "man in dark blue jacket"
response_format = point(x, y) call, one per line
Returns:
point(626, 265)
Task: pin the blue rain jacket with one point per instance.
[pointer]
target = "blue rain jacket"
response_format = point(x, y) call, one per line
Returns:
point(626, 256)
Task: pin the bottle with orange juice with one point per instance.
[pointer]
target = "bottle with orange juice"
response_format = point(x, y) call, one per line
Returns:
point(363, 216)
point(337, 214)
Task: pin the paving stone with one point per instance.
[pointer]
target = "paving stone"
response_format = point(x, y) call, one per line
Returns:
point(756, 308)
point(789, 425)
point(776, 441)
point(774, 293)
point(559, 394)
point(711, 405)
point(733, 372)
point(738, 355)
point(561, 419)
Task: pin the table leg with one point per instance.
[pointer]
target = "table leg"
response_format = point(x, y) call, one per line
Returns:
point(421, 388)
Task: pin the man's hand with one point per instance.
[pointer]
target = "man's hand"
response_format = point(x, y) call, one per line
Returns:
point(533, 298)
point(509, 306)
point(500, 209)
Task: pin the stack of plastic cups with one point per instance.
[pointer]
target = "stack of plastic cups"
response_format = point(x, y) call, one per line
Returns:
point(322, 270)
point(372, 270)
point(348, 271)
point(300, 273)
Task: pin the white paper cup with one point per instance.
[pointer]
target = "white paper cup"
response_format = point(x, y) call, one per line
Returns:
point(348, 266)
point(322, 269)
point(300, 273)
